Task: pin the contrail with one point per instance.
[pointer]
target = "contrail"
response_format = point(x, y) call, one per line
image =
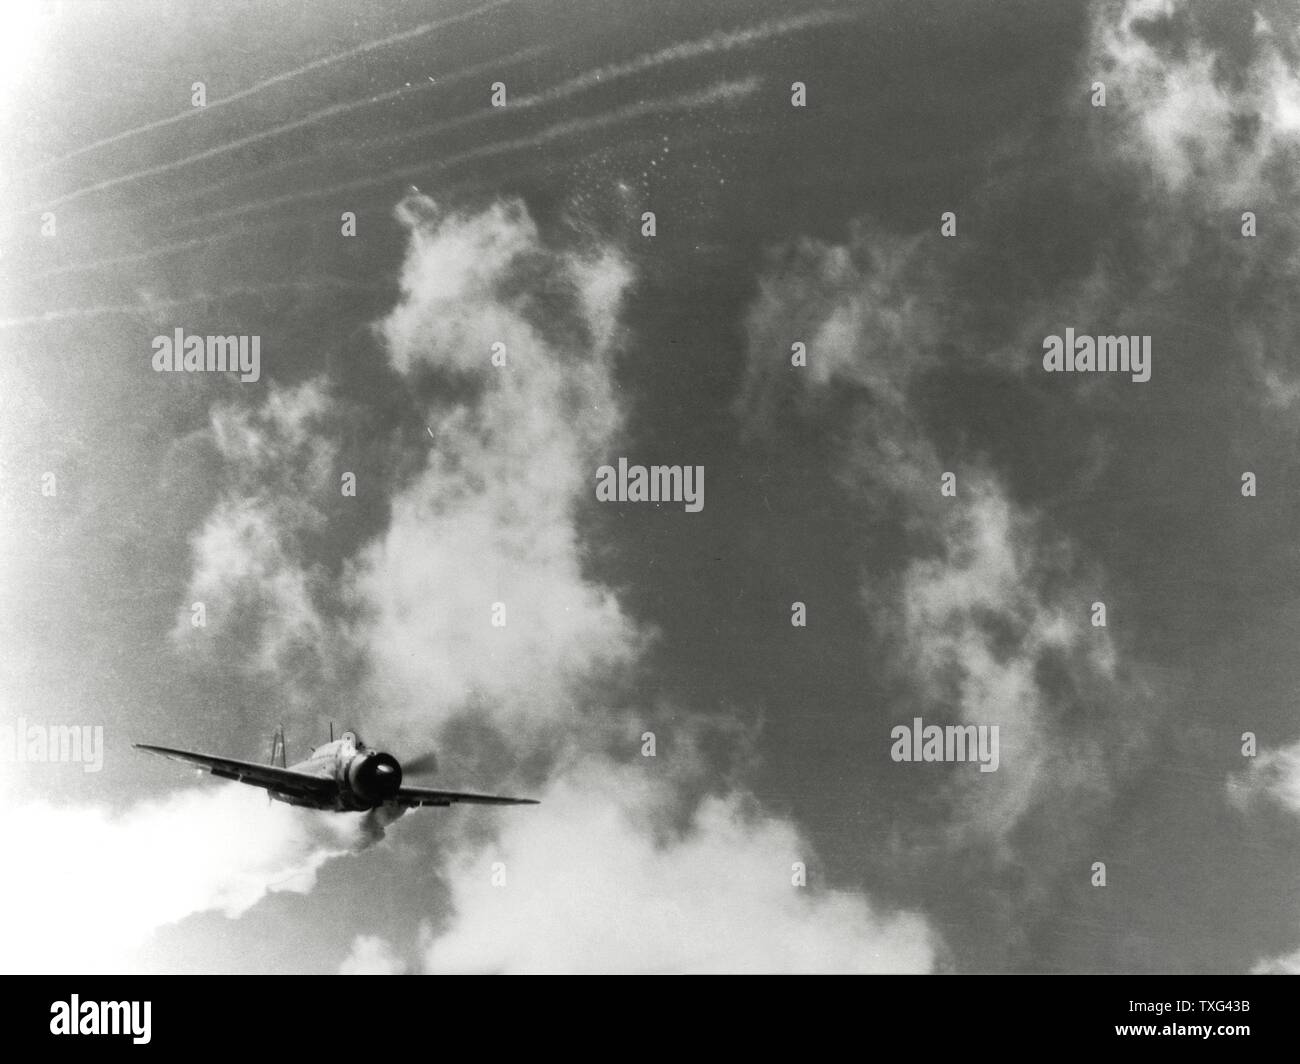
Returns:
point(727, 90)
point(170, 249)
point(640, 145)
point(715, 43)
point(162, 168)
point(723, 91)
point(142, 256)
point(721, 42)
point(278, 79)
point(149, 305)
point(289, 164)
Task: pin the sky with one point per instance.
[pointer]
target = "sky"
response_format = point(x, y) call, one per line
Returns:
point(920, 194)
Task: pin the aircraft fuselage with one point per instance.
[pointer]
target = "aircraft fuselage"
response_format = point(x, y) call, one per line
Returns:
point(366, 778)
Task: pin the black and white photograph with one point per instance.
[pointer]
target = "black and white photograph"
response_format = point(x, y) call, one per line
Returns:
point(643, 487)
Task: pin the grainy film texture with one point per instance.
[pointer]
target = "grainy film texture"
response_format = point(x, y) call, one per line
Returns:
point(650, 486)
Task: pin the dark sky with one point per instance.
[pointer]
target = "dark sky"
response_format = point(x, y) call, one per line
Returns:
point(775, 224)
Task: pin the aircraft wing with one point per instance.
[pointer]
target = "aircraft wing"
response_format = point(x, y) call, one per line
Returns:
point(416, 796)
point(271, 777)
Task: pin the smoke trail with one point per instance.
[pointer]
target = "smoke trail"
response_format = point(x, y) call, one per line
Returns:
point(316, 64)
point(375, 822)
point(725, 91)
point(210, 849)
point(268, 288)
point(290, 164)
point(162, 168)
point(716, 43)
point(143, 256)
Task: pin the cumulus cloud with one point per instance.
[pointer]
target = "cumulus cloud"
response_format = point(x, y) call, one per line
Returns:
point(372, 955)
point(980, 604)
point(1287, 965)
point(1205, 99)
point(1273, 775)
point(982, 611)
point(1273, 778)
point(262, 597)
point(987, 637)
point(500, 489)
point(489, 527)
point(490, 518)
point(588, 887)
point(985, 615)
point(1207, 118)
point(154, 863)
point(831, 296)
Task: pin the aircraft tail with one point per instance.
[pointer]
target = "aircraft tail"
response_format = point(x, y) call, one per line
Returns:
point(277, 748)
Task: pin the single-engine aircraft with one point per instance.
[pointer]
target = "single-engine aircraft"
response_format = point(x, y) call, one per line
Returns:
point(344, 775)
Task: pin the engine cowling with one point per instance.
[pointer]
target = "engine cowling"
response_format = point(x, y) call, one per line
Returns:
point(375, 777)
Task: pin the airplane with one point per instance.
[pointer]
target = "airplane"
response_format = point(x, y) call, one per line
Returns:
point(343, 776)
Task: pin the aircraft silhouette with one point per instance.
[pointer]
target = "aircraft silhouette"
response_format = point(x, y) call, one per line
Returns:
point(343, 775)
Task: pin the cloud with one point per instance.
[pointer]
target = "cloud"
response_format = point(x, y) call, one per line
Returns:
point(1212, 105)
point(983, 614)
point(1287, 965)
point(490, 518)
point(990, 632)
point(262, 597)
point(590, 888)
point(878, 288)
point(980, 603)
point(1206, 99)
point(249, 572)
point(1273, 775)
point(1273, 778)
point(493, 515)
point(372, 955)
point(918, 345)
point(509, 468)
point(110, 879)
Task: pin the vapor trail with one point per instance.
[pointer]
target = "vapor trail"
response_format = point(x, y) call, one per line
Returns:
point(720, 42)
point(278, 79)
point(722, 91)
point(306, 120)
point(74, 313)
point(289, 164)
point(140, 256)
